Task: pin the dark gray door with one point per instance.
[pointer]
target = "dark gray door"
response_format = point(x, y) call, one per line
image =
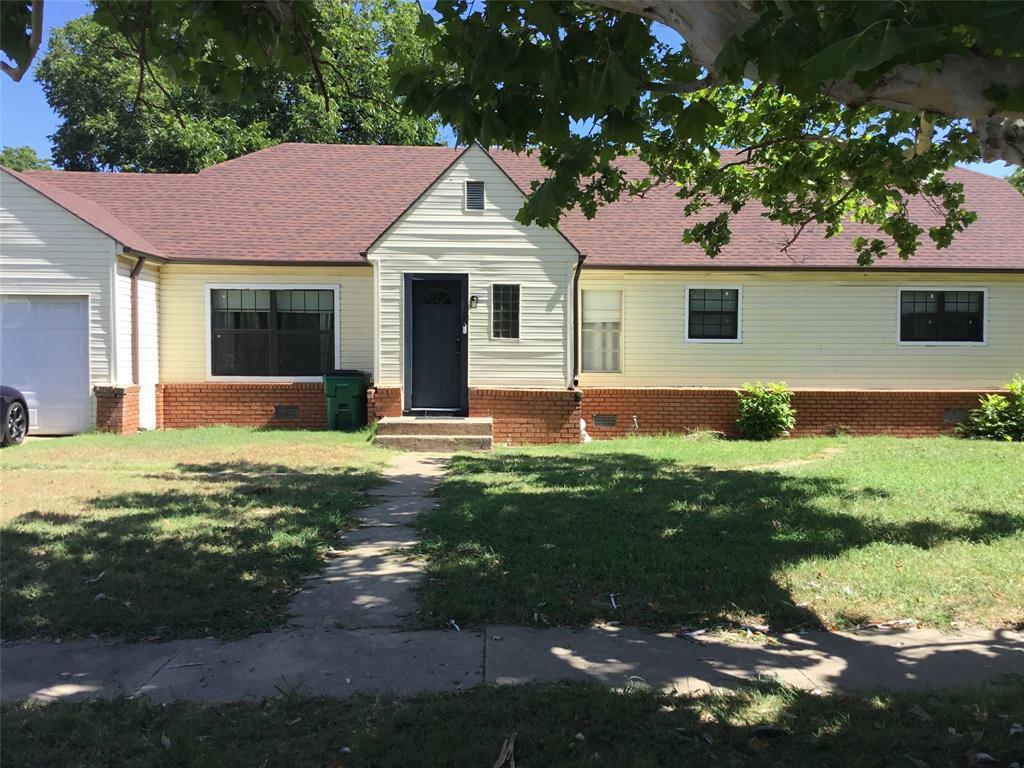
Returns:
point(437, 357)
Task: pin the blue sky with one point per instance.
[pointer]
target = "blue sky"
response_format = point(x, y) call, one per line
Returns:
point(26, 118)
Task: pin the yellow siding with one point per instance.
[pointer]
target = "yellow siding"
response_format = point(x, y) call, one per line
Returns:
point(831, 330)
point(183, 332)
point(437, 235)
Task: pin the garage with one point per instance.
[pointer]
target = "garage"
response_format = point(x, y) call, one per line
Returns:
point(44, 352)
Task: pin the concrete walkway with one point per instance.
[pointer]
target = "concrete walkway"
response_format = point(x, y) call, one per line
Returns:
point(338, 662)
point(348, 633)
point(369, 582)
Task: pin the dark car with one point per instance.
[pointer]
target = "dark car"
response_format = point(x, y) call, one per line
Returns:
point(15, 414)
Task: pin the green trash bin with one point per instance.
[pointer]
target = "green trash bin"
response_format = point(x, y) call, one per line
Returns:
point(346, 399)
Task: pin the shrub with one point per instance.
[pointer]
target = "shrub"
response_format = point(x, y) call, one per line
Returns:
point(999, 417)
point(765, 411)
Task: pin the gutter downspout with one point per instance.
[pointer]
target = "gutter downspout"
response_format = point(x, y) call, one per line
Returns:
point(576, 322)
point(135, 317)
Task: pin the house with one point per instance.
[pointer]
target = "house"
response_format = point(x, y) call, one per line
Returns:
point(157, 300)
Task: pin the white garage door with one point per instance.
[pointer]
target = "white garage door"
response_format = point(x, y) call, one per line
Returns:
point(44, 352)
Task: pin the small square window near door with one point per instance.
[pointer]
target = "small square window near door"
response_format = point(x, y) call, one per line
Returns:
point(474, 195)
point(505, 311)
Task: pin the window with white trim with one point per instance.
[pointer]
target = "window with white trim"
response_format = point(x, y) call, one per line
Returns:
point(474, 195)
point(942, 316)
point(713, 314)
point(505, 311)
point(270, 332)
point(601, 330)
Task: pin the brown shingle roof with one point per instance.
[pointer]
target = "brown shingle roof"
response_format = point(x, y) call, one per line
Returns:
point(327, 203)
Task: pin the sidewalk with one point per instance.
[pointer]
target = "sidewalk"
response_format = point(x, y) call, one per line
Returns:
point(338, 662)
point(349, 632)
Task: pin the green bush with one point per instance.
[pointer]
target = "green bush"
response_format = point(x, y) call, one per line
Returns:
point(999, 417)
point(765, 411)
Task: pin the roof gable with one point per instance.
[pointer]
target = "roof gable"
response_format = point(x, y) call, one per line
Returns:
point(503, 196)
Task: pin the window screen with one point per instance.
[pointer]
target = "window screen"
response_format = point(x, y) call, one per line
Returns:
point(505, 311)
point(601, 330)
point(942, 315)
point(474, 195)
point(714, 313)
point(271, 332)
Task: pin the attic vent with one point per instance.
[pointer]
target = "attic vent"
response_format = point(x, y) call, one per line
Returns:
point(474, 195)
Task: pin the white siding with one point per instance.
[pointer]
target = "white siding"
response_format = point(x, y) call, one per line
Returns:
point(149, 366)
point(123, 320)
point(436, 235)
point(46, 250)
point(830, 330)
point(149, 352)
point(183, 332)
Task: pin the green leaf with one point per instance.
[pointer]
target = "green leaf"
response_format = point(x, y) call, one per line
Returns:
point(694, 121)
point(616, 86)
point(732, 59)
point(881, 43)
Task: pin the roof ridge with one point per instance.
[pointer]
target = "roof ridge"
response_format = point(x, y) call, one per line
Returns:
point(333, 145)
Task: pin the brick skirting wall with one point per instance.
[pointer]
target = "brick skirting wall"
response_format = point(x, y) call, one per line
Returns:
point(383, 401)
point(246, 404)
point(547, 416)
point(528, 415)
point(904, 413)
point(117, 409)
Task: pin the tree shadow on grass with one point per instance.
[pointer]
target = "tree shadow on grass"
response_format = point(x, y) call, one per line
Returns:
point(556, 725)
point(217, 551)
point(550, 538)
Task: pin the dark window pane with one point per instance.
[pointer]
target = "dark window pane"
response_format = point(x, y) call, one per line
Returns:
point(714, 313)
point(305, 354)
point(241, 354)
point(941, 315)
point(505, 312)
point(262, 332)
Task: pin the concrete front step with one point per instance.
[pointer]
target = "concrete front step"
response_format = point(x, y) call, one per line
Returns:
point(429, 443)
point(435, 426)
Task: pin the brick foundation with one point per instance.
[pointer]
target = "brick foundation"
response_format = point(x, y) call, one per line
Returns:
point(548, 416)
point(246, 404)
point(529, 415)
point(117, 409)
point(382, 402)
point(903, 413)
point(158, 399)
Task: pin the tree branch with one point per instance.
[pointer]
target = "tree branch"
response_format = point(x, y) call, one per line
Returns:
point(35, 38)
point(142, 57)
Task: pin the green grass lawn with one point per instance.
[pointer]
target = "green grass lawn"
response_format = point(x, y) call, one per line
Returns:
point(555, 725)
point(171, 533)
point(697, 531)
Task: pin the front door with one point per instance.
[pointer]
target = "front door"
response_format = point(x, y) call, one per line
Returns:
point(436, 358)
